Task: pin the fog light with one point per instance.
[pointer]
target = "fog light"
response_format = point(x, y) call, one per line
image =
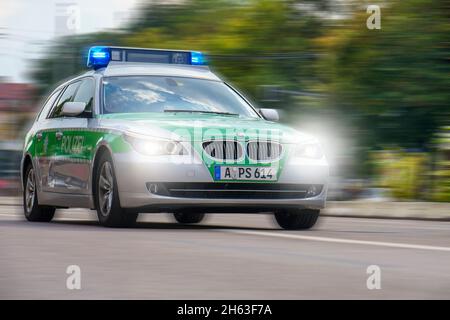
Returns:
point(153, 188)
point(312, 191)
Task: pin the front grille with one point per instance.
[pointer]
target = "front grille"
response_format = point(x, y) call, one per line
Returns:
point(264, 150)
point(223, 149)
point(235, 190)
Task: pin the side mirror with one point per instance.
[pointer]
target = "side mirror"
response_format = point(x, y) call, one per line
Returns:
point(72, 109)
point(270, 114)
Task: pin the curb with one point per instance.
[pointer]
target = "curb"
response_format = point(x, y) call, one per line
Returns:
point(434, 211)
point(412, 218)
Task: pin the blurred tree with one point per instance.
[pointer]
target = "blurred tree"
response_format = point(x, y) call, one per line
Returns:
point(395, 80)
point(391, 84)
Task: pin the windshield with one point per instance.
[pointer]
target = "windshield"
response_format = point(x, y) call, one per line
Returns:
point(129, 94)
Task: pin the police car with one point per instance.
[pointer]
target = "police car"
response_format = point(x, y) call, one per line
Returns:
point(150, 130)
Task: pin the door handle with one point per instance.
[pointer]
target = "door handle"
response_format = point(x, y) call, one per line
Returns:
point(39, 135)
point(59, 135)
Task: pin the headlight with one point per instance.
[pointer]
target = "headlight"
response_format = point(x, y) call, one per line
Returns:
point(309, 150)
point(156, 147)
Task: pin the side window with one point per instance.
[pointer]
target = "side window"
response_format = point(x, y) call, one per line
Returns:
point(85, 94)
point(48, 105)
point(65, 97)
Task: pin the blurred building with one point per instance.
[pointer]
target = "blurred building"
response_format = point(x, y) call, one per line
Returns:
point(17, 110)
point(17, 107)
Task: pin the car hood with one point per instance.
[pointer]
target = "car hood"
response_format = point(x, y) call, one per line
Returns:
point(200, 127)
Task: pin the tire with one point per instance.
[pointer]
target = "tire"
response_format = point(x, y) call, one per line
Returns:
point(31, 208)
point(297, 219)
point(188, 217)
point(106, 196)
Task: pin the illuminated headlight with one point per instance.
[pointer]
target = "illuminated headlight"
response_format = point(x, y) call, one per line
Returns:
point(155, 147)
point(309, 150)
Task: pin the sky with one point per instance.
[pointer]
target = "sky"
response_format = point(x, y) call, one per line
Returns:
point(27, 26)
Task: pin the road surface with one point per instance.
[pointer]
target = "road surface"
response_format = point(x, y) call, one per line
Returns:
point(226, 257)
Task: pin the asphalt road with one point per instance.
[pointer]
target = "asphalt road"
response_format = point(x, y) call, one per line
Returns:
point(226, 257)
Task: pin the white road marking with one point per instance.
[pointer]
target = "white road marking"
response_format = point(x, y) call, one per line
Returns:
point(337, 240)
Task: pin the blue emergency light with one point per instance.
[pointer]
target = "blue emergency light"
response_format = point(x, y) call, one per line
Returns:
point(101, 56)
point(197, 58)
point(98, 57)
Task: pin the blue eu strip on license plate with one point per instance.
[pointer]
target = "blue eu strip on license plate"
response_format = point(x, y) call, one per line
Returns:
point(217, 173)
point(245, 173)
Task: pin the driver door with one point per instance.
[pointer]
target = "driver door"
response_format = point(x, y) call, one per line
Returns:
point(58, 149)
point(72, 164)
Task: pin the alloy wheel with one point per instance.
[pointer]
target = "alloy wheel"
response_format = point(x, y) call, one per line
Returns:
point(30, 189)
point(105, 188)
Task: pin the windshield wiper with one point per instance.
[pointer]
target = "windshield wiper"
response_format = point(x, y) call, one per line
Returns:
point(202, 111)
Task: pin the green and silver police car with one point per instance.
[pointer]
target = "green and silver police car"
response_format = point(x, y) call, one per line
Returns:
point(150, 130)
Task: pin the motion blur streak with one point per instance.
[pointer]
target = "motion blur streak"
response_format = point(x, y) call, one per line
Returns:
point(377, 98)
point(159, 259)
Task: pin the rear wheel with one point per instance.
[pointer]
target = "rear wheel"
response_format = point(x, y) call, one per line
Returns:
point(32, 210)
point(296, 219)
point(186, 217)
point(109, 211)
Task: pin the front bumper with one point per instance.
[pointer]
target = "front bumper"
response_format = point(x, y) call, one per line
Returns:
point(135, 173)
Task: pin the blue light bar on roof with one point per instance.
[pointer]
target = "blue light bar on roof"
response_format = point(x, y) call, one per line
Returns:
point(100, 57)
point(197, 58)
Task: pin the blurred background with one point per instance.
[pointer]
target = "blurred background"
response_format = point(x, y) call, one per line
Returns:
point(379, 100)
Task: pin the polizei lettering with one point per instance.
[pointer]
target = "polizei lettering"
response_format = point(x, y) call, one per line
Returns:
point(72, 144)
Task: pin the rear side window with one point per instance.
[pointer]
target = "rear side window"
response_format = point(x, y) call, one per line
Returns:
point(67, 96)
point(85, 94)
point(48, 105)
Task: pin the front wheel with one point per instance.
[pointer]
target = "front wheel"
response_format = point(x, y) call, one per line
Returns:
point(109, 211)
point(296, 219)
point(32, 210)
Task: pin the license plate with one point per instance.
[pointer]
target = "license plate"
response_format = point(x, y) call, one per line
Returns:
point(245, 173)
